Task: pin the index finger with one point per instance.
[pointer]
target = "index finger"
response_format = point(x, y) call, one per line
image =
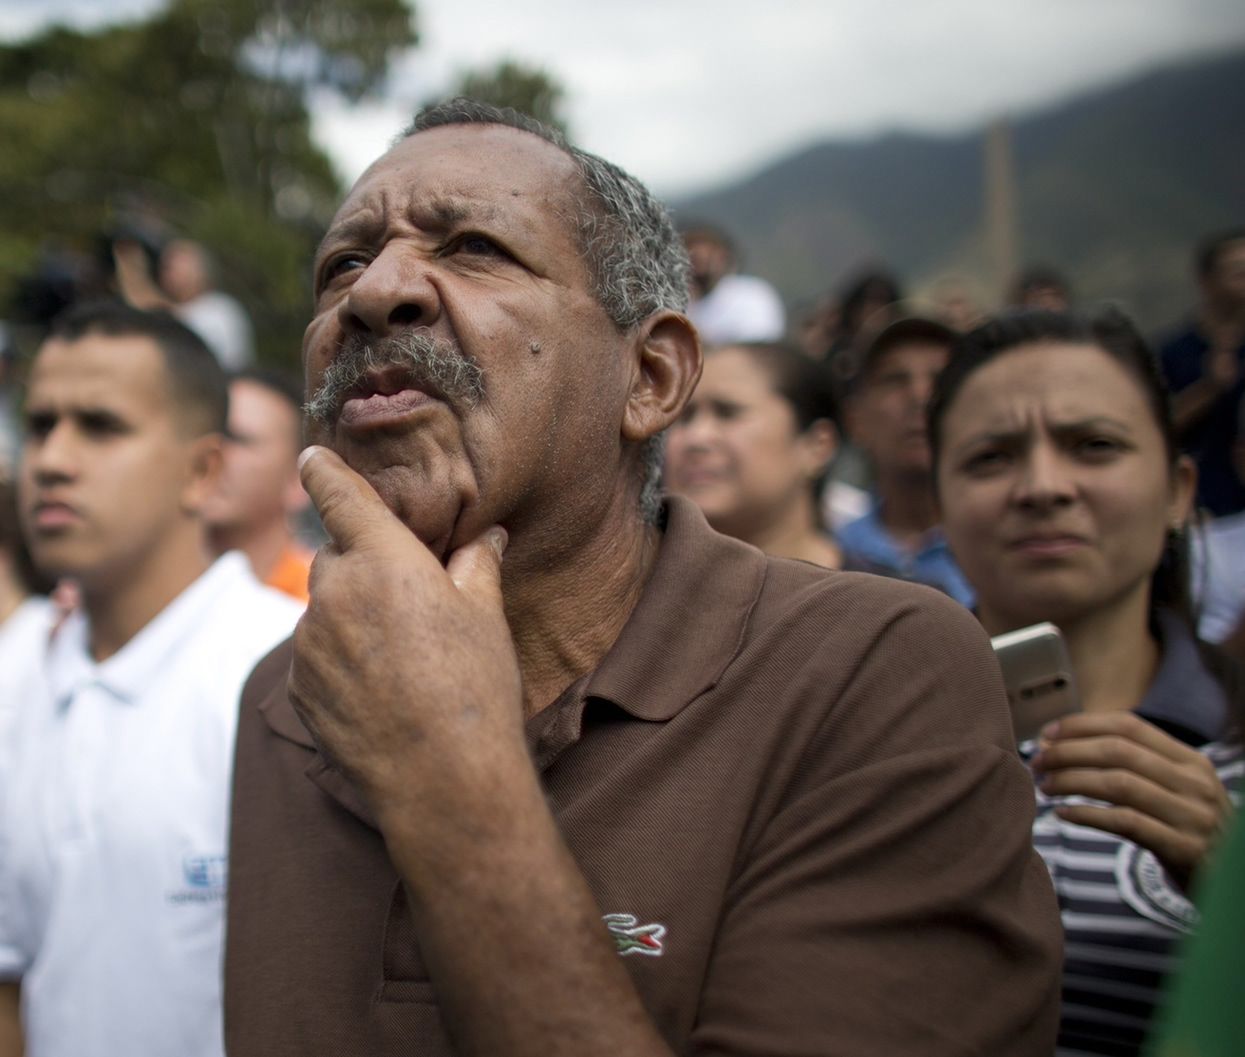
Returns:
point(1121, 725)
point(348, 506)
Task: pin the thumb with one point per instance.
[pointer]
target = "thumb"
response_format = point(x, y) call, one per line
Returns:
point(348, 506)
point(475, 567)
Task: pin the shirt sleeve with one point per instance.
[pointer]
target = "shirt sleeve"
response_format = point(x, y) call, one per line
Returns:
point(895, 905)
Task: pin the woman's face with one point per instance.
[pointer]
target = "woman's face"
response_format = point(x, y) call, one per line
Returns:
point(736, 451)
point(1055, 485)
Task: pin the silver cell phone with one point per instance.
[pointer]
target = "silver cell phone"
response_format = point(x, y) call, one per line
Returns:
point(1037, 673)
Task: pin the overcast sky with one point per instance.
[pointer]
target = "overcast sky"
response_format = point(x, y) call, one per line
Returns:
point(689, 93)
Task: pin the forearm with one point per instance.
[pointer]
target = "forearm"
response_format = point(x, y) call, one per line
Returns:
point(10, 1020)
point(513, 940)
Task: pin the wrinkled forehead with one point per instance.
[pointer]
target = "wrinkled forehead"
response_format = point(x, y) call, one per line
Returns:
point(462, 172)
point(1049, 382)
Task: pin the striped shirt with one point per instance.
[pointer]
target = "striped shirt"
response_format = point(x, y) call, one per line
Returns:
point(1123, 916)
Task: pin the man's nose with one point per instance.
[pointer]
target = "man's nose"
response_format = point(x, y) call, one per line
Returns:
point(920, 390)
point(54, 456)
point(396, 290)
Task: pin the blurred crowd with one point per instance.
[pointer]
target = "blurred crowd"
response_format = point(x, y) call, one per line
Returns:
point(1036, 460)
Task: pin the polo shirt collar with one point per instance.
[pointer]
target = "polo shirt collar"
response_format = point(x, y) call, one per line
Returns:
point(689, 623)
point(687, 627)
point(1184, 696)
point(129, 672)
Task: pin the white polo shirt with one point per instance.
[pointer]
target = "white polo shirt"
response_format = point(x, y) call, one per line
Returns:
point(23, 639)
point(114, 791)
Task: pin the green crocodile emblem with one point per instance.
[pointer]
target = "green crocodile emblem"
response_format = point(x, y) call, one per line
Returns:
point(630, 937)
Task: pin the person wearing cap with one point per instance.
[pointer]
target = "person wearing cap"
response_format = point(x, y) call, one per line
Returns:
point(885, 417)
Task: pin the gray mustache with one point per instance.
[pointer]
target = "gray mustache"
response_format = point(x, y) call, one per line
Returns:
point(433, 364)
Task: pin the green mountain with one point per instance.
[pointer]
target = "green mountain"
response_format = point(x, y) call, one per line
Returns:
point(1113, 188)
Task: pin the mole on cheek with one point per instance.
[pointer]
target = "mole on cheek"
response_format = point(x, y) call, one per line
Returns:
point(535, 348)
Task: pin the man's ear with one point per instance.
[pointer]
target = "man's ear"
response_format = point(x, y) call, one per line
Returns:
point(667, 368)
point(206, 458)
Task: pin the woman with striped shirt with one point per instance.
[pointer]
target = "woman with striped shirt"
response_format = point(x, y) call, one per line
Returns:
point(1064, 499)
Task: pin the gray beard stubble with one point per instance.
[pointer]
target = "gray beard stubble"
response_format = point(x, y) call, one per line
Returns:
point(435, 364)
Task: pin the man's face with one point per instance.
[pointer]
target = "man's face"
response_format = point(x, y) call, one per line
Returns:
point(709, 261)
point(887, 413)
point(107, 480)
point(464, 235)
point(259, 480)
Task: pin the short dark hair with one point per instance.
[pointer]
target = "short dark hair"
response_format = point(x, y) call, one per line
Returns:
point(1211, 249)
point(196, 380)
point(283, 384)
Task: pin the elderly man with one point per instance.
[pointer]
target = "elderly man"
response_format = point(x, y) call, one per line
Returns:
point(551, 768)
point(900, 535)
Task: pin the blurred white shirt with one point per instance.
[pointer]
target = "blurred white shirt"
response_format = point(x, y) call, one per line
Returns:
point(114, 796)
point(739, 308)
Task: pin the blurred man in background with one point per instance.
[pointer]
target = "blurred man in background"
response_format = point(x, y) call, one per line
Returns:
point(114, 769)
point(886, 409)
point(726, 307)
point(260, 495)
point(1204, 365)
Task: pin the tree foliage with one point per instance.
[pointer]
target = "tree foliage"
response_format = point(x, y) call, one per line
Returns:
point(192, 122)
point(527, 89)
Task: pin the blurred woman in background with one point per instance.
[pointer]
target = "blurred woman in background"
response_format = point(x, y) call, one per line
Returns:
point(1064, 499)
point(753, 447)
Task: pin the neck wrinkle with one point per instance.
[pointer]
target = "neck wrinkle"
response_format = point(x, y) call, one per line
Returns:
point(561, 629)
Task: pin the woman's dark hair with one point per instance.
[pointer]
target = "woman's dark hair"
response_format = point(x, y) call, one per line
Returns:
point(1113, 332)
point(803, 383)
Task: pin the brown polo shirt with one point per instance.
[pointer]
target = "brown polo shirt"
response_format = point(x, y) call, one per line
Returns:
point(793, 793)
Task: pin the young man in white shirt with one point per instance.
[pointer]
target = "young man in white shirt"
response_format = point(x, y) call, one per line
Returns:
point(114, 774)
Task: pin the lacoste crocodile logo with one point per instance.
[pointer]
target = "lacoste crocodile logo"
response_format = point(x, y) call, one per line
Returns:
point(630, 937)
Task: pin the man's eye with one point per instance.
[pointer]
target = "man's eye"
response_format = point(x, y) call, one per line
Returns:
point(39, 426)
point(101, 424)
point(478, 246)
point(338, 266)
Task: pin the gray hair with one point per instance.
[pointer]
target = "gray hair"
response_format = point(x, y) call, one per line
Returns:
point(636, 260)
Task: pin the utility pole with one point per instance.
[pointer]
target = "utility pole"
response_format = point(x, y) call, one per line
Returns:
point(1001, 221)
